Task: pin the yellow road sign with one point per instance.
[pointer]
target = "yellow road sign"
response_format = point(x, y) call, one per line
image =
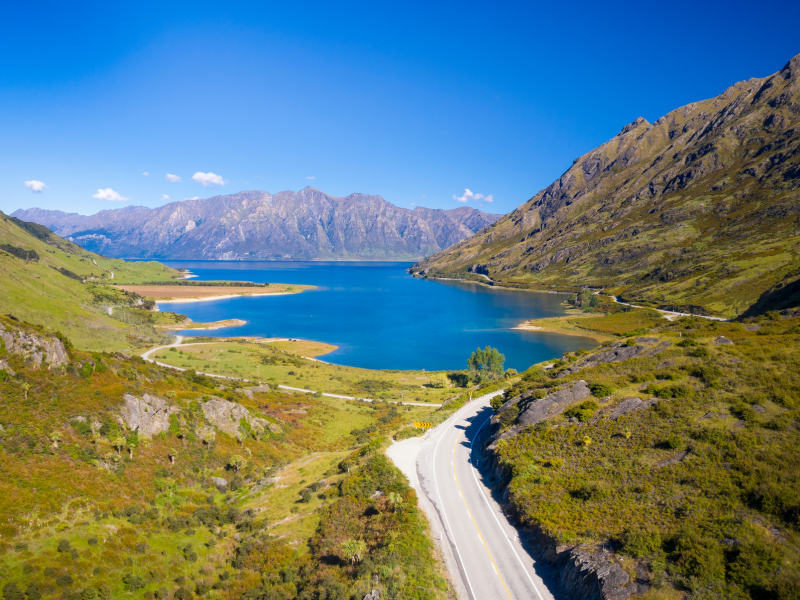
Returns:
point(423, 425)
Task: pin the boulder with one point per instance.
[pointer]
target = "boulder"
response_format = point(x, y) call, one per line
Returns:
point(35, 348)
point(218, 481)
point(722, 341)
point(629, 405)
point(259, 389)
point(7, 368)
point(227, 416)
point(148, 415)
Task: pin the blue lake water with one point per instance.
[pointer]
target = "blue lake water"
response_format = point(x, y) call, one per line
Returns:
point(382, 318)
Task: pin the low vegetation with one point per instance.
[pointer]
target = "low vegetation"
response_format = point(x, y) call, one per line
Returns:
point(91, 509)
point(702, 489)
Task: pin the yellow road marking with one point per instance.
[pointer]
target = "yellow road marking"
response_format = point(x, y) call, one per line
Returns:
point(496, 570)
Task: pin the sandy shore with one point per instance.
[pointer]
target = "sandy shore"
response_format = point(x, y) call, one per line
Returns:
point(223, 297)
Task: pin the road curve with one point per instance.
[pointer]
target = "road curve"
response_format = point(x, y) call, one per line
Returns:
point(482, 549)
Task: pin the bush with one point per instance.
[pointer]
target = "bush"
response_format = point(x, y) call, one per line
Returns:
point(133, 582)
point(583, 411)
point(601, 390)
point(593, 490)
point(699, 556)
point(11, 591)
point(497, 402)
point(669, 391)
point(64, 546)
point(509, 415)
point(640, 542)
point(674, 441)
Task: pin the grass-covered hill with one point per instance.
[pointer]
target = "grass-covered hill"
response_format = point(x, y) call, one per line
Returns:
point(47, 280)
point(672, 454)
point(122, 479)
point(700, 208)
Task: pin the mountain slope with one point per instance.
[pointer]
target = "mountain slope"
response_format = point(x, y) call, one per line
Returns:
point(52, 282)
point(700, 208)
point(254, 225)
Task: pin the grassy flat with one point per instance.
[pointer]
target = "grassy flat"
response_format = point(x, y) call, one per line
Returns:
point(281, 363)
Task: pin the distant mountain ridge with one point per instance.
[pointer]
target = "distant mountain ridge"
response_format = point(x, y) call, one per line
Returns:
point(700, 208)
point(256, 225)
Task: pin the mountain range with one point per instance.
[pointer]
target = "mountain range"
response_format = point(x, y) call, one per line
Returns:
point(256, 225)
point(700, 209)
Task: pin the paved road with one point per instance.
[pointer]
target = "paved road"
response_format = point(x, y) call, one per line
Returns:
point(667, 313)
point(480, 545)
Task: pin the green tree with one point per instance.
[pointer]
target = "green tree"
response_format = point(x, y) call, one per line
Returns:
point(353, 549)
point(487, 363)
point(236, 462)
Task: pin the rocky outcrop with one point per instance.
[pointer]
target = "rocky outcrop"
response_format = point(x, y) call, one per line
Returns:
point(619, 352)
point(534, 410)
point(629, 405)
point(227, 416)
point(219, 482)
point(37, 349)
point(259, 389)
point(592, 573)
point(148, 415)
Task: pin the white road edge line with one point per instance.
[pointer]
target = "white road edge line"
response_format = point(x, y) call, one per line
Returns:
point(491, 510)
point(444, 512)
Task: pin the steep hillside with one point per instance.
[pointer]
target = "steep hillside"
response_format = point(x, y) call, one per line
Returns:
point(308, 225)
point(700, 208)
point(52, 282)
point(663, 465)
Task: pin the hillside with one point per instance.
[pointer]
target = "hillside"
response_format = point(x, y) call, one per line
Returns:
point(664, 464)
point(122, 479)
point(700, 209)
point(49, 281)
point(254, 225)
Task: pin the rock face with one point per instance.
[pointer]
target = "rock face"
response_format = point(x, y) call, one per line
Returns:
point(629, 405)
point(148, 415)
point(256, 225)
point(594, 573)
point(619, 352)
point(686, 198)
point(227, 417)
point(533, 411)
point(36, 349)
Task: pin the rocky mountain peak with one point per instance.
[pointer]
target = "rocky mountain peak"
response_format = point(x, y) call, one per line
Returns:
point(256, 225)
point(635, 125)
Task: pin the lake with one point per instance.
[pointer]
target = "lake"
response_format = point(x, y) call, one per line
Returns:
point(380, 317)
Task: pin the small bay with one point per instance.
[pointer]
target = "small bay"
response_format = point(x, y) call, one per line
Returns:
point(380, 317)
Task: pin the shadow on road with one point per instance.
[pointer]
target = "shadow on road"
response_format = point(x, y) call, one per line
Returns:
point(475, 435)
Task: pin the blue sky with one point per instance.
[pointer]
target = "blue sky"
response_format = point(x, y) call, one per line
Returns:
point(416, 102)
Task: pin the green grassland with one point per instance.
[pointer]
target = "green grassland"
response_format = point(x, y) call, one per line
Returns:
point(105, 513)
point(282, 363)
point(700, 491)
point(75, 299)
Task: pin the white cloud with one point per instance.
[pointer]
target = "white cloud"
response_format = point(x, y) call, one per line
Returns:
point(146, 174)
point(193, 198)
point(311, 177)
point(173, 178)
point(109, 195)
point(468, 195)
point(35, 186)
point(164, 197)
point(208, 179)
